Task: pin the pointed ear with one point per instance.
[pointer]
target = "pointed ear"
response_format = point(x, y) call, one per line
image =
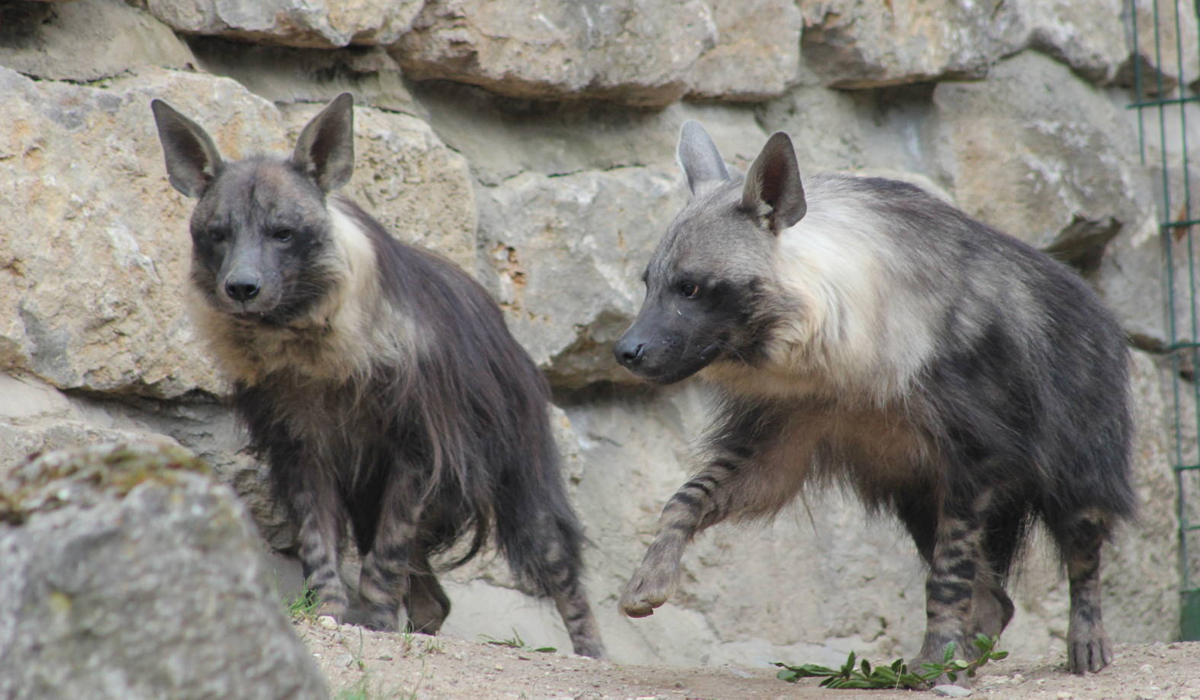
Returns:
point(325, 149)
point(192, 160)
point(773, 189)
point(699, 158)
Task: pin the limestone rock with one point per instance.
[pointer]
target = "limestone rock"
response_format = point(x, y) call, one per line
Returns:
point(566, 256)
point(1161, 54)
point(317, 23)
point(864, 43)
point(1089, 37)
point(85, 40)
point(502, 140)
point(1036, 153)
point(757, 54)
point(95, 255)
point(287, 75)
point(129, 573)
point(627, 51)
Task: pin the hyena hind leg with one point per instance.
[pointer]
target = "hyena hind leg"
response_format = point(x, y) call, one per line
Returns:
point(545, 549)
point(1088, 647)
point(427, 604)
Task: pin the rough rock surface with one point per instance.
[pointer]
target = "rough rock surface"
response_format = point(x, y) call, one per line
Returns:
point(632, 52)
point(85, 41)
point(128, 572)
point(1054, 166)
point(533, 161)
point(291, 22)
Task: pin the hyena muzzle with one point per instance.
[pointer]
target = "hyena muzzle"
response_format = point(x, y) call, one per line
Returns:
point(860, 331)
point(377, 380)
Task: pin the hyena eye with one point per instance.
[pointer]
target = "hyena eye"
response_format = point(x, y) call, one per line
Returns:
point(218, 235)
point(283, 235)
point(691, 290)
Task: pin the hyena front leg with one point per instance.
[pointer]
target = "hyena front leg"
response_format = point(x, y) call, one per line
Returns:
point(1088, 648)
point(383, 583)
point(704, 500)
point(320, 539)
point(955, 574)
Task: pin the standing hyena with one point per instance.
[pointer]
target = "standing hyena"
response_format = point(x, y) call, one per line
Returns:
point(378, 380)
point(860, 331)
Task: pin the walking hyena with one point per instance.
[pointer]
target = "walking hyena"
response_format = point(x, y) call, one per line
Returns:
point(378, 381)
point(860, 331)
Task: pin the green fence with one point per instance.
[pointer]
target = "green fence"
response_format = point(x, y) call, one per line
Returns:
point(1163, 37)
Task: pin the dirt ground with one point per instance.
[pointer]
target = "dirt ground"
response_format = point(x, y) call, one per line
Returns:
point(361, 664)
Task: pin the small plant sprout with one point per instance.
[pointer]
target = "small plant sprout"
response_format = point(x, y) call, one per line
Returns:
point(863, 675)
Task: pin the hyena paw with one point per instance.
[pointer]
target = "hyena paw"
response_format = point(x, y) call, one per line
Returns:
point(381, 619)
point(1088, 650)
point(649, 588)
point(333, 609)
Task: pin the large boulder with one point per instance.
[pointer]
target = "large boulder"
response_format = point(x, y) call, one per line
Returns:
point(85, 40)
point(317, 23)
point(1035, 152)
point(128, 572)
point(565, 257)
point(866, 44)
point(757, 53)
point(627, 51)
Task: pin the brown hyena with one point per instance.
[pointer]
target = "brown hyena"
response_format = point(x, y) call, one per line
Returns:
point(860, 331)
point(378, 380)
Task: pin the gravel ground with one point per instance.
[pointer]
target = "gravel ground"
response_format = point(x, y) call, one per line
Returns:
point(360, 663)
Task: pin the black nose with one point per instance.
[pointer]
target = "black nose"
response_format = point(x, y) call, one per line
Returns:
point(629, 351)
point(241, 290)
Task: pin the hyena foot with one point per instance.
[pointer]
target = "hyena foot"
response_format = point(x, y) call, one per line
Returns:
point(581, 624)
point(653, 582)
point(427, 604)
point(933, 651)
point(1088, 648)
point(335, 609)
point(991, 612)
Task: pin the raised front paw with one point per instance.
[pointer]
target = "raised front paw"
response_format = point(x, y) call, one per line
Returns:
point(1088, 649)
point(649, 588)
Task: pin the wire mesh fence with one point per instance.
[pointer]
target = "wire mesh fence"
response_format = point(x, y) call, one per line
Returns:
point(1165, 69)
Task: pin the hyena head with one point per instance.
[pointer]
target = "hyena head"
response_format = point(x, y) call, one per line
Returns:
point(261, 232)
point(710, 285)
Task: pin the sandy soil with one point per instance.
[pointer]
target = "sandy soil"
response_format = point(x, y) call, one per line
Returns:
point(360, 663)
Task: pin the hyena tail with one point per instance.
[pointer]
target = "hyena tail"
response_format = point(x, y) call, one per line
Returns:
point(541, 538)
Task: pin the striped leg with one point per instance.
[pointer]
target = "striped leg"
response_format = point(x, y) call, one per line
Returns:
point(426, 603)
point(701, 502)
point(950, 588)
point(320, 538)
point(1088, 648)
point(383, 583)
point(559, 564)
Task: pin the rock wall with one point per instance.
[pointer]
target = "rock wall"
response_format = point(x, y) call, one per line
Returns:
point(533, 143)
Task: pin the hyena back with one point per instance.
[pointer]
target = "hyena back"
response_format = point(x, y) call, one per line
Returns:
point(378, 381)
point(860, 331)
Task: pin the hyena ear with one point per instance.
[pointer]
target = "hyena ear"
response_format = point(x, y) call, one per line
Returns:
point(325, 149)
point(773, 190)
point(699, 157)
point(192, 159)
